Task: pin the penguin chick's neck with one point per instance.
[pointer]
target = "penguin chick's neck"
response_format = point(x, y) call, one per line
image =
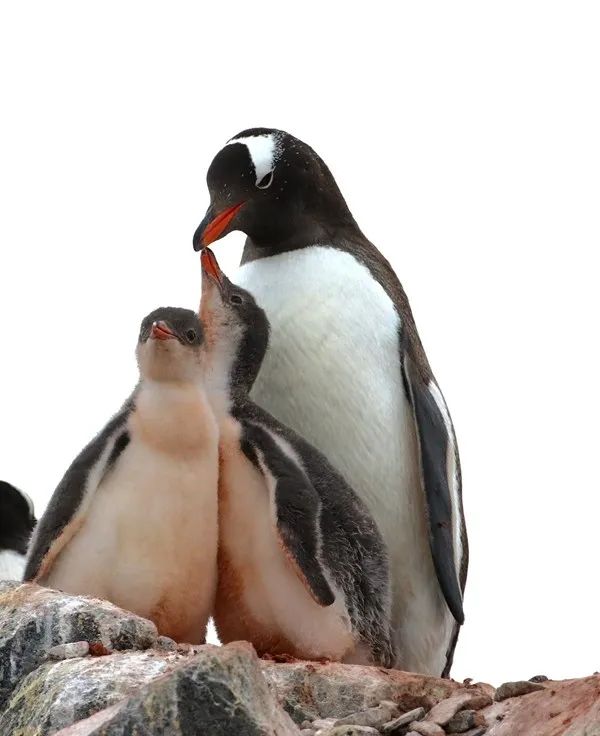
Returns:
point(173, 417)
point(233, 364)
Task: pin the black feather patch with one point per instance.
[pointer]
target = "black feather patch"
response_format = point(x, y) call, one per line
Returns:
point(297, 505)
point(434, 442)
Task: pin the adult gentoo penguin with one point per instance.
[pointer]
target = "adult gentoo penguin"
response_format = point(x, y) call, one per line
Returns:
point(134, 520)
point(302, 567)
point(17, 521)
point(347, 370)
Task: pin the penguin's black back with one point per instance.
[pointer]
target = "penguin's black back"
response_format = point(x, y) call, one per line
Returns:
point(16, 519)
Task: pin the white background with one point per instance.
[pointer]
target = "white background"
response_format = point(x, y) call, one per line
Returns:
point(465, 137)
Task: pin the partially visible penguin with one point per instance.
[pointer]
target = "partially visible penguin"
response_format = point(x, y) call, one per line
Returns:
point(302, 567)
point(17, 521)
point(134, 520)
point(347, 370)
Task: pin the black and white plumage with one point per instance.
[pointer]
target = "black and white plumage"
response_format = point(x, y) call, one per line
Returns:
point(134, 519)
point(17, 521)
point(347, 370)
point(302, 567)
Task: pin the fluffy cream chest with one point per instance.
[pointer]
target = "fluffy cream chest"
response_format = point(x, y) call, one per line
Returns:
point(148, 541)
point(260, 597)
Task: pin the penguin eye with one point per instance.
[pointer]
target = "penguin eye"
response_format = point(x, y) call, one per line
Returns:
point(266, 181)
point(235, 299)
point(191, 335)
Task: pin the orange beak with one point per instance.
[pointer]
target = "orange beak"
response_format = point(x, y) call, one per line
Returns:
point(160, 331)
point(210, 265)
point(216, 226)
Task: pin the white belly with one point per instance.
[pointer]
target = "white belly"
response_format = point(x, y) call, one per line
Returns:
point(149, 539)
point(272, 608)
point(332, 373)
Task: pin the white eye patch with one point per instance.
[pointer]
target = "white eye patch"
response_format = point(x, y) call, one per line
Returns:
point(264, 151)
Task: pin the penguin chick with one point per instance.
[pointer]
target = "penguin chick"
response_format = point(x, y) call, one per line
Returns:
point(134, 520)
point(17, 521)
point(302, 567)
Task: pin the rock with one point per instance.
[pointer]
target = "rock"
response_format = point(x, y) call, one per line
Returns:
point(567, 708)
point(539, 678)
point(166, 644)
point(443, 712)
point(397, 726)
point(349, 730)
point(465, 720)
point(374, 717)
point(148, 687)
point(57, 694)
point(69, 651)
point(219, 691)
point(308, 690)
point(516, 689)
point(35, 619)
point(323, 723)
point(426, 728)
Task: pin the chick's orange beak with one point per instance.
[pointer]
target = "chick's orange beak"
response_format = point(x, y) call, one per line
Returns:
point(210, 265)
point(161, 331)
point(215, 228)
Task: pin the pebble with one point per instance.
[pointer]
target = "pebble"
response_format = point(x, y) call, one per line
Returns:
point(323, 723)
point(516, 689)
point(70, 650)
point(307, 732)
point(166, 644)
point(426, 728)
point(443, 711)
point(349, 730)
point(479, 731)
point(539, 678)
point(397, 725)
point(374, 717)
point(464, 720)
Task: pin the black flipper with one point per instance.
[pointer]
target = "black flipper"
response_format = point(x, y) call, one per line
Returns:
point(435, 442)
point(70, 492)
point(297, 507)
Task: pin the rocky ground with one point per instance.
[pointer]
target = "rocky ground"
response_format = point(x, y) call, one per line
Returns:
point(81, 667)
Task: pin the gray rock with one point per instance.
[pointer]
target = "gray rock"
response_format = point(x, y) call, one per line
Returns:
point(539, 678)
point(516, 689)
point(166, 644)
point(426, 728)
point(57, 694)
point(374, 717)
point(69, 651)
point(322, 724)
point(398, 726)
point(349, 730)
point(309, 690)
point(220, 692)
point(464, 720)
point(478, 731)
point(307, 732)
point(35, 619)
point(443, 711)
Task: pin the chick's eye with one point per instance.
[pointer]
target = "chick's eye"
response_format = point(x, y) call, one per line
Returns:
point(236, 299)
point(191, 335)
